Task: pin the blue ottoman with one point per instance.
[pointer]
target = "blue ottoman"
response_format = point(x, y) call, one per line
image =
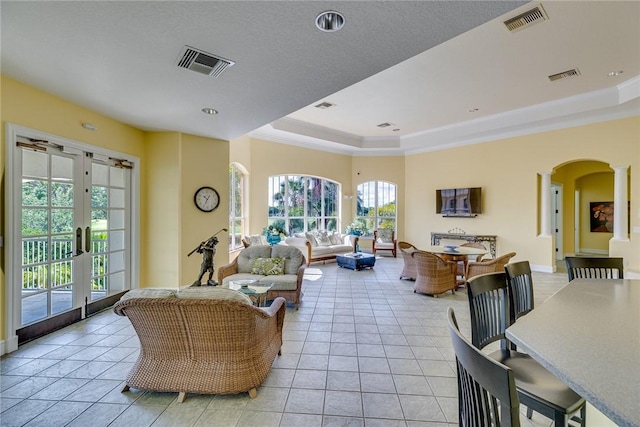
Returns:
point(356, 261)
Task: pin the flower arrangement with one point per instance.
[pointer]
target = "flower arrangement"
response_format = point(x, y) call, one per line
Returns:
point(275, 229)
point(357, 228)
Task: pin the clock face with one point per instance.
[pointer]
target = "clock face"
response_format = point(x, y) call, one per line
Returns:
point(206, 199)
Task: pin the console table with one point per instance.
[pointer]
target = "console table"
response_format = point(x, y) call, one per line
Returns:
point(435, 239)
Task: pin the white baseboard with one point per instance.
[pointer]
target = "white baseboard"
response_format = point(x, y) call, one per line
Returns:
point(542, 268)
point(594, 251)
point(7, 346)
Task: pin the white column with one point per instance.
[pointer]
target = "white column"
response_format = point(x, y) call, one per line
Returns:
point(620, 202)
point(545, 204)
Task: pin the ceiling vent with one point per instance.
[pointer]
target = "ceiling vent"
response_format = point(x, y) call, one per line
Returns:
point(202, 62)
point(565, 75)
point(325, 105)
point(526, 19)
point(385, 125)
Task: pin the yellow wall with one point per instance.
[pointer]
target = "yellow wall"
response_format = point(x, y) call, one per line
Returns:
point(507, 170)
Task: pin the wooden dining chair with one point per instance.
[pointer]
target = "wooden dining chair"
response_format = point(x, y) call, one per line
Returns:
point(520, 288)
point(594, 268)
point(487, 393)
point(538, 389)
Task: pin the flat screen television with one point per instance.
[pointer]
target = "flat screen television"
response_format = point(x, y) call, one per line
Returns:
point(459, 201)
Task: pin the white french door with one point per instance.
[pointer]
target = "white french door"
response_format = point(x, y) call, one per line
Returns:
point(70, 247)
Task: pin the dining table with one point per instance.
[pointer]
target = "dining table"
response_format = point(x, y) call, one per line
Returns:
point(588, 335)
point(456, 254)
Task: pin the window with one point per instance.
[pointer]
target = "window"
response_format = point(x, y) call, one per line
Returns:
point(300, 203)
point(376, 206)
point(237, 179)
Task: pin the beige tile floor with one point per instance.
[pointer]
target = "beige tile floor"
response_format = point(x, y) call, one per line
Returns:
point(363, 350)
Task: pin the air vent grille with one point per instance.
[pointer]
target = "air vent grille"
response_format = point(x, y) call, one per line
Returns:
point(325, 105)
point(202, 62)
point(385, 125)
point(565, 75)
point(526, 19)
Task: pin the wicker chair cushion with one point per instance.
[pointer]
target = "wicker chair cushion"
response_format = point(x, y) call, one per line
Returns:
point(268, 266)
point(248, 255)
point(211, 292)
point(149, 293)
point(285, 282)
point(293, 258)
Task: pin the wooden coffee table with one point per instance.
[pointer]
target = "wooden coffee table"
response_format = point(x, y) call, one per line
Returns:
point(357, 261)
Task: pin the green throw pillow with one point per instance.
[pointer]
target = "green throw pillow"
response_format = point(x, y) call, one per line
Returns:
point(268, 266)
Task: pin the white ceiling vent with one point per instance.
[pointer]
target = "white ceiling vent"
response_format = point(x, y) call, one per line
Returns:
point(526, 19)
point(202, 62)
point(564, 75)
point(325, 105)
point(385, 125)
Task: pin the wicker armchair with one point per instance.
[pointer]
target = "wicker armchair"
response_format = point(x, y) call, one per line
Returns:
point(434, 275)
point(496, 265)
point(409, 269)
point(462, 265)
point(202, 345)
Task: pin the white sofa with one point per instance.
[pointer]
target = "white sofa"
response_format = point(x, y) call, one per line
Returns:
point(321, 246)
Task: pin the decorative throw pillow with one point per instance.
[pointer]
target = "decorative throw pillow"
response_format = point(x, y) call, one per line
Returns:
point(268, 266)
point(257, 240)
point(336, 238)
point(311, 238)
point(384, 236)
point(323, 238)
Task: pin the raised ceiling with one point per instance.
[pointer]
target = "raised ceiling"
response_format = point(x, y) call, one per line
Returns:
point(440, 73)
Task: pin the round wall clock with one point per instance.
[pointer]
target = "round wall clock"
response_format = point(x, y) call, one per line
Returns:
point(206, 199)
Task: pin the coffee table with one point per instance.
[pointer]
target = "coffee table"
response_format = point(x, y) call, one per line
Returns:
point(251, 288)
point(356, 261)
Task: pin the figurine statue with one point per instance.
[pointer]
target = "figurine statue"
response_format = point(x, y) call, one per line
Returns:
point(208, 250)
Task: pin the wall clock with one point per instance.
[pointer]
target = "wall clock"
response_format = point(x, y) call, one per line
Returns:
point(206, 199)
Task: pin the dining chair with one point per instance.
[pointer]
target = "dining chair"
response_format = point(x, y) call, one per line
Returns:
point(475, 268)
point(520, 288)
point(538, 389)
point(487, 393)
point(594, 268)
point(433, 274)
point(409, 268)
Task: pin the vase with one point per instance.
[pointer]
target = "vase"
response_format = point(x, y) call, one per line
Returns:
point(273, 239)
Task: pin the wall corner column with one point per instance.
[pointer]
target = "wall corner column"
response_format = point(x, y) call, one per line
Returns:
point(620, 202)
point(545, 204)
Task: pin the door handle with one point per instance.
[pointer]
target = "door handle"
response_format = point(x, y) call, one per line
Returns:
point(87, 239)
point(78, 241)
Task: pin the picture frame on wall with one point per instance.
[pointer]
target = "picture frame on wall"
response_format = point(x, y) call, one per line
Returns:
point(601, 217)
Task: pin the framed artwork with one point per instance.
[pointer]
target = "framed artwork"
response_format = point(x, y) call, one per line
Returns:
point(601, 217)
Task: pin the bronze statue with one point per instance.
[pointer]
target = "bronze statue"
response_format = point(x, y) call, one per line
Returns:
point(208, 251)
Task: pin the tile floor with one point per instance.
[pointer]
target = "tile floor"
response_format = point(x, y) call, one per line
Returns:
point(363, 350)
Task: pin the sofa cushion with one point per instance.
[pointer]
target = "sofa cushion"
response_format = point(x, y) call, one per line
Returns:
point(311, 238)
point(257, 240)
point(285, 282)
point(213, 292)
point(323, 238)
point(335, 238)
point(247, 256)
point(149, 293)
point(268, 266)
point(241, 276)
point(293, 257)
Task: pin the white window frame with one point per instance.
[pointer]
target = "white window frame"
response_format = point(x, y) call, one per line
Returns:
point(382, 196)
point(235, 170)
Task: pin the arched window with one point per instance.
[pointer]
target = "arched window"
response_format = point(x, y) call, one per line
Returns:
point(302, 203)
point(376, 206)
point(237, 219)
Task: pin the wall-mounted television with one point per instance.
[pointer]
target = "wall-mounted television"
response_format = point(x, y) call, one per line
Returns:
point(459, 201)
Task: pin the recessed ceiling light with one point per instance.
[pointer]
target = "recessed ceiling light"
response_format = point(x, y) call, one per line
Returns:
point(330, 21)
point(615, 73)
point(396, 130)
point(210, 111)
